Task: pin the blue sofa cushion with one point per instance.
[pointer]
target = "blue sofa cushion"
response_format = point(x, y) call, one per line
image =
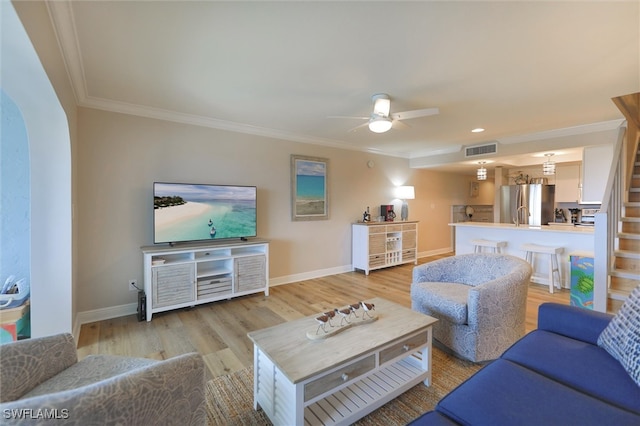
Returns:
point(580, 365)
point(505, 393)
point(621, 338)
point(433, 418)
point(572, 321)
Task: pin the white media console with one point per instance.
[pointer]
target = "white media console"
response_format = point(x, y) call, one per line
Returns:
point(190, 274)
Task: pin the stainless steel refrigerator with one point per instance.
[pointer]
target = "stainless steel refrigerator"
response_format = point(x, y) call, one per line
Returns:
point(532, 204)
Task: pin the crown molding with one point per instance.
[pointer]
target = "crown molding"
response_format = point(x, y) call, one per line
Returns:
point(567, 131)
point(214, 123)
point(437, 151)
point(62, 19)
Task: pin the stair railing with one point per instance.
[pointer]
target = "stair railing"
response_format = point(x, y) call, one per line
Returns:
point(607, 222)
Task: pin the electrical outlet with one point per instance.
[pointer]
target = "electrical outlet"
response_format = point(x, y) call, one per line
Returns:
point(132, 285)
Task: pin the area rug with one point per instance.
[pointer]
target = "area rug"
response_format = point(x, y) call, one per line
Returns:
point(230, 398)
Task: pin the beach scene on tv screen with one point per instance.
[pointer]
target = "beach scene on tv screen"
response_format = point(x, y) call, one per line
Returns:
point(184, 212)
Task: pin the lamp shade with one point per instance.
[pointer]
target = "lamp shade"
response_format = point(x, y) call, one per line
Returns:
point(405, 192)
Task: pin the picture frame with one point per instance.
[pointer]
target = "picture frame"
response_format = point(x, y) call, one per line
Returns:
point(309, 188)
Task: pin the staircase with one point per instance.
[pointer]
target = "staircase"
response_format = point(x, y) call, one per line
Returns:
point(625, 274)
point(617, 263)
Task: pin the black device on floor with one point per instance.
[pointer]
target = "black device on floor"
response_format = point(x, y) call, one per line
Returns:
point(142, 306)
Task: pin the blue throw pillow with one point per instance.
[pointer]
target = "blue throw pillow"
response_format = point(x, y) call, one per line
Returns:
point(621, 338)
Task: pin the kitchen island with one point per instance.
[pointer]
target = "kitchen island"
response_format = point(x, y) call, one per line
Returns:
point(571, 238)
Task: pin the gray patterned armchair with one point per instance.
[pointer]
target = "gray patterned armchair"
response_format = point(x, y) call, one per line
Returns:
point(479, 299)
point(42, 382)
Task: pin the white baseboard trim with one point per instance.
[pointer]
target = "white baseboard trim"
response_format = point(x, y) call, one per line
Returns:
point(131, 308)
point(287, 279)
point(103, 314)
point(435, 252)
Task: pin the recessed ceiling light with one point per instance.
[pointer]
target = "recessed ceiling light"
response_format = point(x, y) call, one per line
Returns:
point(477, 130)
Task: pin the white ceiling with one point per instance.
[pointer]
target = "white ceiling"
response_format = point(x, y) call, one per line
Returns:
point(279, 69)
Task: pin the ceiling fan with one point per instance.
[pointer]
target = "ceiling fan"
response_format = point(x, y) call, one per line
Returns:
point(382, 119)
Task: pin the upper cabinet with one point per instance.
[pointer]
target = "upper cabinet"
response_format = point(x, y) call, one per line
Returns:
point(567, 183)
point(596, 162)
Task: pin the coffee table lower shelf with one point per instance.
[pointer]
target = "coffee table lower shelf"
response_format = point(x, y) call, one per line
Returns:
point(283, 401)
point(366, 395)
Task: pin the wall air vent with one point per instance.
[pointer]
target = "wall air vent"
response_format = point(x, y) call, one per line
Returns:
point(473, 151)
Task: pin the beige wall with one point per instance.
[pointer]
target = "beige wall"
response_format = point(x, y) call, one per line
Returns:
point(116, 158)
point(120, 156)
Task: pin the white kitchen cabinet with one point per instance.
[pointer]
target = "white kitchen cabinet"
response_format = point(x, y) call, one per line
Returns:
point(378, 245)
point(596, 162)
point(188, 275)
point(567, 183)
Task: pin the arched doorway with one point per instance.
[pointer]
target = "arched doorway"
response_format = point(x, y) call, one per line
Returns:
point(26, 83)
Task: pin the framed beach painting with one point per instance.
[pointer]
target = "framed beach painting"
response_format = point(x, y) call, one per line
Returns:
point(309, 189)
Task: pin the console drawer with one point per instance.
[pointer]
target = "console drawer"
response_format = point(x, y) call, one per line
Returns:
point(338, 377)
point(214, 287)
point(409, 254)
point(403, 347)
point(377, 260)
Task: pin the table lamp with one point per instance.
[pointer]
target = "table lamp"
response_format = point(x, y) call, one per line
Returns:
point(405, 193)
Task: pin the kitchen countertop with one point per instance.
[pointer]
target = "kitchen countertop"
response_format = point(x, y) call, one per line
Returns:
point(393, 222)
point(570, 238)
point(545, 228)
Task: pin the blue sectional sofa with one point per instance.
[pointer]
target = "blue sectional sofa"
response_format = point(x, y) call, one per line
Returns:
point(555, 375)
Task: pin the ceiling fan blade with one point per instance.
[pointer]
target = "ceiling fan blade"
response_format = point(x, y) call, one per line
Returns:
point(348, 117)
point(406, 115)
point(355, 129)
point(399, 125)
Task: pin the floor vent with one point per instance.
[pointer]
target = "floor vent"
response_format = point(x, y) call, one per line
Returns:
point(472, 151)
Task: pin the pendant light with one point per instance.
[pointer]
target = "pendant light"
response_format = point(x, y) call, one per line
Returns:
point(482, 172)
point(548, 167)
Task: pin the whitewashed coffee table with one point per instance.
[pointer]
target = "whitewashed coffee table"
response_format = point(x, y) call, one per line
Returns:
point(342, 378)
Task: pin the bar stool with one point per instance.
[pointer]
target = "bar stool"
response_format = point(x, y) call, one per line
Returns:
point(554, 265)
point(496, 246)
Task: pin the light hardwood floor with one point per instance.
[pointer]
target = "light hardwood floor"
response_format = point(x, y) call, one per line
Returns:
point(218, 330)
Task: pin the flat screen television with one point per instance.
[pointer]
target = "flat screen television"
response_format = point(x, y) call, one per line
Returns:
point(188, 212)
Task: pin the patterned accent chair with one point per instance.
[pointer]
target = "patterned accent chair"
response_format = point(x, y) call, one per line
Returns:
point(42, 382)
point(479, 299)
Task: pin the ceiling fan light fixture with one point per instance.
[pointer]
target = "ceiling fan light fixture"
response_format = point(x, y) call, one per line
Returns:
point(381, 104)
point(380, 124)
